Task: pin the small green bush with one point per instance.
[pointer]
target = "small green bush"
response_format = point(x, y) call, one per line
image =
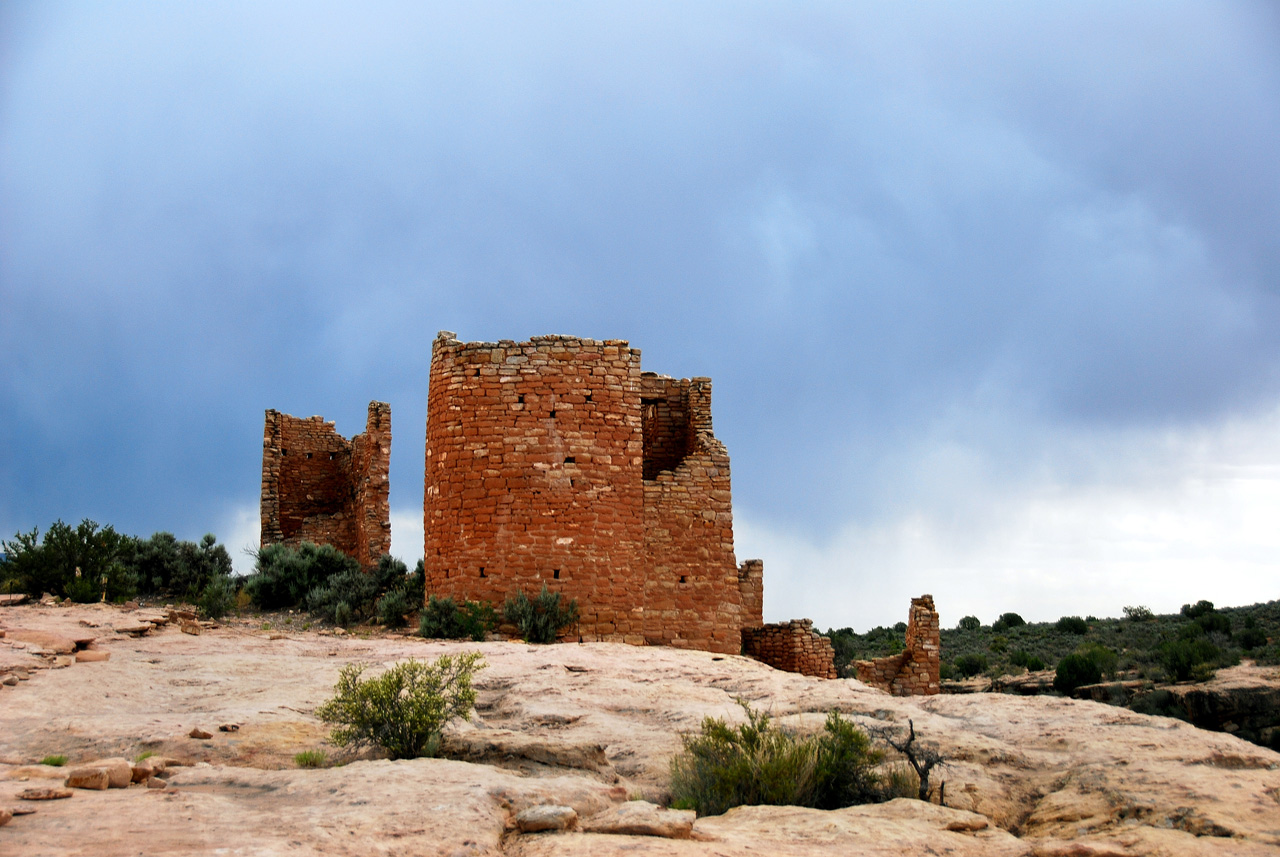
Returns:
point(1251, 638)
point(970, 623)
point(392, 607)
point(404, 710)
point(540, 619)
point(1185, 659)
point(1086, 665)
point(755, 763)
point(1195, 611)
point(444, 619)
point(1139, 614)
point(54, 761)
point(311, 759)
point(1024, 659)
point(218, 597)
point(1007, 621)
point(284, 576)
point(1072, 625)
point(970, 664)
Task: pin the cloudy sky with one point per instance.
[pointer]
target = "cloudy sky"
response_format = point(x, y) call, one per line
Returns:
point(989, 292)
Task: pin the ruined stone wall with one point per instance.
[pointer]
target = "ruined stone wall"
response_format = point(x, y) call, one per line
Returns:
point(791, 646)
point(319, 487)
point(536, 463)
point(751, 587)
point(915, 670)
point(692, 595)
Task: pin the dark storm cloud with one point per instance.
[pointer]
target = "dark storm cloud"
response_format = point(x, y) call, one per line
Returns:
point(876, 228)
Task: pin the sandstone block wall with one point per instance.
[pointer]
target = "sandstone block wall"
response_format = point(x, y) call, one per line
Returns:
point(557, 461)
point(319, 487)
point(915, 670)
point(792, 646)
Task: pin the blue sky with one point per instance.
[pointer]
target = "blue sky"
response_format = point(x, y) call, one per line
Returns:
point(989, 293)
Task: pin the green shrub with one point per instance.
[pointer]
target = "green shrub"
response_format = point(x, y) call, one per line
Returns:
point(755, 763)
point(311, 759)
point(1251, 638)
point(970, 623)
point(1086, 665)
point(946, 671)
point(1184, 659)
point(392, 607)
point(1072, 625)
point(1024, 659)
point(1007, 621)
point(541, 619)
point(444, 619)
point(1161, 703)
point(218, 597)
point(1195, 611)
point(404, 710)
point(1139, 614)
point(343, 597)
point(1214, 623)
point(970, 664)
point(54, 761)
point(283, 576)
point(80, 563)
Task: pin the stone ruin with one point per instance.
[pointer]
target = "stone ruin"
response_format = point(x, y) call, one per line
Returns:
point(558, 461)
point(317, 486)
point(792, 646)
point(915, 670)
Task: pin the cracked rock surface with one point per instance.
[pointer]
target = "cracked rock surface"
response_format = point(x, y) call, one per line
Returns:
point(578, 726)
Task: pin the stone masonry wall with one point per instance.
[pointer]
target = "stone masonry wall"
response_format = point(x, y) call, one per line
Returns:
point(319, 487)
point(791, 646)
point(915, 670)
point(536, 462)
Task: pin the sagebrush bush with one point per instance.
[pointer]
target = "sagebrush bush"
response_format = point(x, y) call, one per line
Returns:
point(1086, 665)
point(1022, 658)
point(218, 597)
point(391, 608)
point(283, 576)
point(1073, 625)
point(445, 619)
point(970, 664)
point(755, 763)
point(970, 623)
point(1007, 621)
point(539, 620)
point(1185, 659)
point(404, 710)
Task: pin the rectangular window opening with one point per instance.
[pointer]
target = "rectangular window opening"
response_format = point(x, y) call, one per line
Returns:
point(482, 571)
point(520, 399)
point(555, 574)
point(570, 459)
point(553, 415)
point(308, 455)
point(684, 579)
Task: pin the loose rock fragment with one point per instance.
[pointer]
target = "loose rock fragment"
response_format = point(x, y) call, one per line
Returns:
point(5, 817)
point(89, 656)
point(548, 817)
point(88, 778)
point(641, 818)
point(200, 734)
point(45, 794)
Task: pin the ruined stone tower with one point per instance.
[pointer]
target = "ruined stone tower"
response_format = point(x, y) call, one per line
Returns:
point(557, 461)
point(319, 487)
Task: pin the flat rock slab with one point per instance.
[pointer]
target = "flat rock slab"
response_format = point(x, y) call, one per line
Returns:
point(47, 640)
point(13, 599)
point(536, 819)
point(45, 794)
point(90, 656)
point(641, 818)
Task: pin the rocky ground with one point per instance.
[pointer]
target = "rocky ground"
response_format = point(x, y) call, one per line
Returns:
point(590, 728)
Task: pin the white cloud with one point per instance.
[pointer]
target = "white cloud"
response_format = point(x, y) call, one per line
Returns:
point(243, 528)
point(1190, 515)
point(406, 535)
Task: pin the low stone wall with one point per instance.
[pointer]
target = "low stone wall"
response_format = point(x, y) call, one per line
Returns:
point(791, 646)
point(915, 670)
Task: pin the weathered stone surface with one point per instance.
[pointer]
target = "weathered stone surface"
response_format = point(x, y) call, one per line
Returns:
point(191, 628)
point(539, 818)
point(44, 793)
point(133, 628)
point(13, 599)
point(88, 777)
point(199, 734)
point(156, 783)
point(641, 818)
point(90, 656)
point(50, 642)
point(1070, 777)
point(5, 816)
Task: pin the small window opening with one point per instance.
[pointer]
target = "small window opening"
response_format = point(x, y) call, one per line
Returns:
point(284, 452)
point(588, 397)
point(570, 459)
point(520, 398)
point(308, 455)
point(553, 415)
point(477, 373)
point(555, 574)
point(684, 579)
point(332, 456)
point(482, 571)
